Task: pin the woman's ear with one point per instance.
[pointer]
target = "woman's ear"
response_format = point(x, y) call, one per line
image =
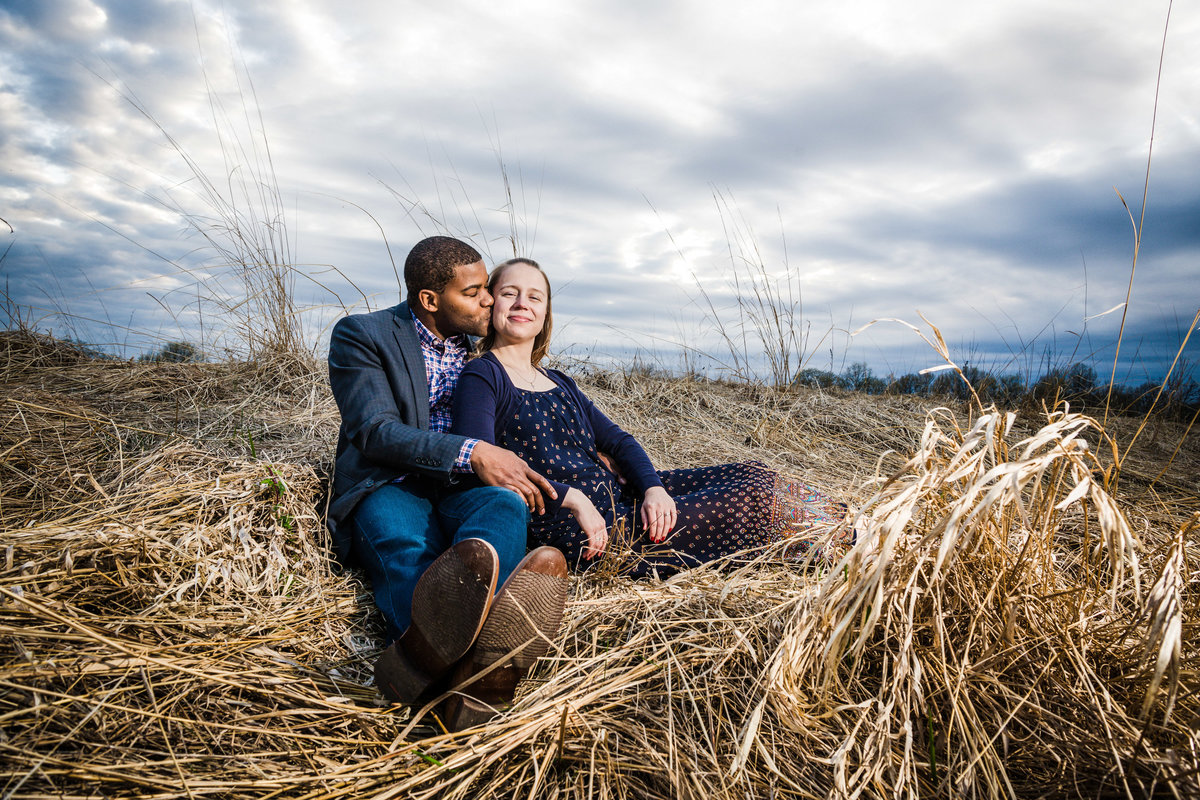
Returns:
point(428, 300)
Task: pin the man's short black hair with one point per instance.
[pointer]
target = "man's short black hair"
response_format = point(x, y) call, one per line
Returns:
point(431, 263)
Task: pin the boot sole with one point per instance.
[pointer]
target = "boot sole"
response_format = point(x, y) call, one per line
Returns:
point(450, 604)
point(523, 621)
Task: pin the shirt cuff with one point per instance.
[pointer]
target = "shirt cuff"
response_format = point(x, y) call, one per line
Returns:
point(463, 462)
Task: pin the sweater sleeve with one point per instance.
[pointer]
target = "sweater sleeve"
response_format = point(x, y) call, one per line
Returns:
point(611, 439)
point(476, 403)
point(482, 399)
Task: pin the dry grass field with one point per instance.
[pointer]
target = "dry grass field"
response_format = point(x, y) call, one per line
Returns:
point(1018, 618)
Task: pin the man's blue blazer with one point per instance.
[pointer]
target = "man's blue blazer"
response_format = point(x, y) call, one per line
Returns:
point(378, 378)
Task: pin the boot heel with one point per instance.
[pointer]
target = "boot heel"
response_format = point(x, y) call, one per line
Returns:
point(464, 712)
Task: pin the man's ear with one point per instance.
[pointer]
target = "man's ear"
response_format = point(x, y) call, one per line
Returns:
point(428, 300)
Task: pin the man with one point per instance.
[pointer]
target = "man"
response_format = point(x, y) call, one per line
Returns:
point(435, 539)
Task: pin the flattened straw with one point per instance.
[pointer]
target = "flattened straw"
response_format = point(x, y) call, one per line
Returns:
point(986, 667)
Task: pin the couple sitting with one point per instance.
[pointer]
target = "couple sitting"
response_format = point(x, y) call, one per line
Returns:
point(447, 467)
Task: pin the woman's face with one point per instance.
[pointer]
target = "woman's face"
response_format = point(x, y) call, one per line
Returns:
point(519, 311)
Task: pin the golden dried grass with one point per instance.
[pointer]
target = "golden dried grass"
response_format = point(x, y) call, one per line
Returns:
point(172, 625)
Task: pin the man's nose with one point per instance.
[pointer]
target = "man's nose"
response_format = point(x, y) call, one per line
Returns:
point(486, 299)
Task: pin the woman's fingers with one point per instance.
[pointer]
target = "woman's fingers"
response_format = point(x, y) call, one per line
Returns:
point(597, 541)
point(659, 520)
point(591, 523)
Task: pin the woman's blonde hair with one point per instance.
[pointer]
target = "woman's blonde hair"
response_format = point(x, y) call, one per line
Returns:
point(541, 342)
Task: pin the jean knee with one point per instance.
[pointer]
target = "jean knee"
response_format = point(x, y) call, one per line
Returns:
point(508, 502)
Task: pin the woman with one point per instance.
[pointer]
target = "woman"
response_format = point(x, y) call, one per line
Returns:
point(671, 520)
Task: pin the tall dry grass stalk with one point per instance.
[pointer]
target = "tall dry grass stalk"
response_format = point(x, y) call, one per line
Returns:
point(762, 331)
point(238, 211)
point(454, 212)
point(1140, 223)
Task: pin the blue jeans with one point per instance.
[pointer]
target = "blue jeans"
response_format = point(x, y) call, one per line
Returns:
point(399, 529)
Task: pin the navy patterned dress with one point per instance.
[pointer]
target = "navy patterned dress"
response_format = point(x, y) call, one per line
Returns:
point(722, 509)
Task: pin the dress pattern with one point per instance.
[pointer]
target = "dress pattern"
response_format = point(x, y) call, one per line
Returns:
point(722, 509)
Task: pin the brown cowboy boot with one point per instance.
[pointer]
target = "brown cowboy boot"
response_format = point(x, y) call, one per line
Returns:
point(523, 621)
point(450, 603)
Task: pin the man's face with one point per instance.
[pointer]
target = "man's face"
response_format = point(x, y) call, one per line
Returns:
point(465, 305)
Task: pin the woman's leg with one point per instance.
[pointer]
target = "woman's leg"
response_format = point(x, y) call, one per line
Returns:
point(722, 509)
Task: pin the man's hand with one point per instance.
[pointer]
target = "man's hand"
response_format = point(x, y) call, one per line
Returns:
point(496, 466)
point(659, 514)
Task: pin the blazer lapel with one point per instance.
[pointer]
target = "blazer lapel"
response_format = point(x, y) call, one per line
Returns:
point(414, 362)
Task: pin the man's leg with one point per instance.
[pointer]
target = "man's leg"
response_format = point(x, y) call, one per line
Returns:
point(396, 536)
point(525, 615)
point(524, 619)
point(449, 605)
point(496, 515)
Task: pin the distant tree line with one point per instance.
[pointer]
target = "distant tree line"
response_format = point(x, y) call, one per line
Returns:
point(170, 353)
point(174, 353)
point(1077, 384)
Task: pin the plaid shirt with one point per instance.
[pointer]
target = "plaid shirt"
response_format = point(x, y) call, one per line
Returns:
point(444, 360)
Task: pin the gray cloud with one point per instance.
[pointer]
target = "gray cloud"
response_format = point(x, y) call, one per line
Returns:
point(918, 158)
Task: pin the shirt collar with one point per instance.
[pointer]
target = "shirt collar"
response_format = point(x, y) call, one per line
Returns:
point(457, 342)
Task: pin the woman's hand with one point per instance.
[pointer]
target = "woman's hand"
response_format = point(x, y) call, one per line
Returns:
point(589, 519)
point(659, 514)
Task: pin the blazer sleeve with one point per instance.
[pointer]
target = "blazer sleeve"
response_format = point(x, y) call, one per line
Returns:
point(374, 410)
point(483, 399)
point(635, 464)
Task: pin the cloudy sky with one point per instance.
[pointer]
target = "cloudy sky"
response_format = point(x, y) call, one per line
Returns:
point(867, 159)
